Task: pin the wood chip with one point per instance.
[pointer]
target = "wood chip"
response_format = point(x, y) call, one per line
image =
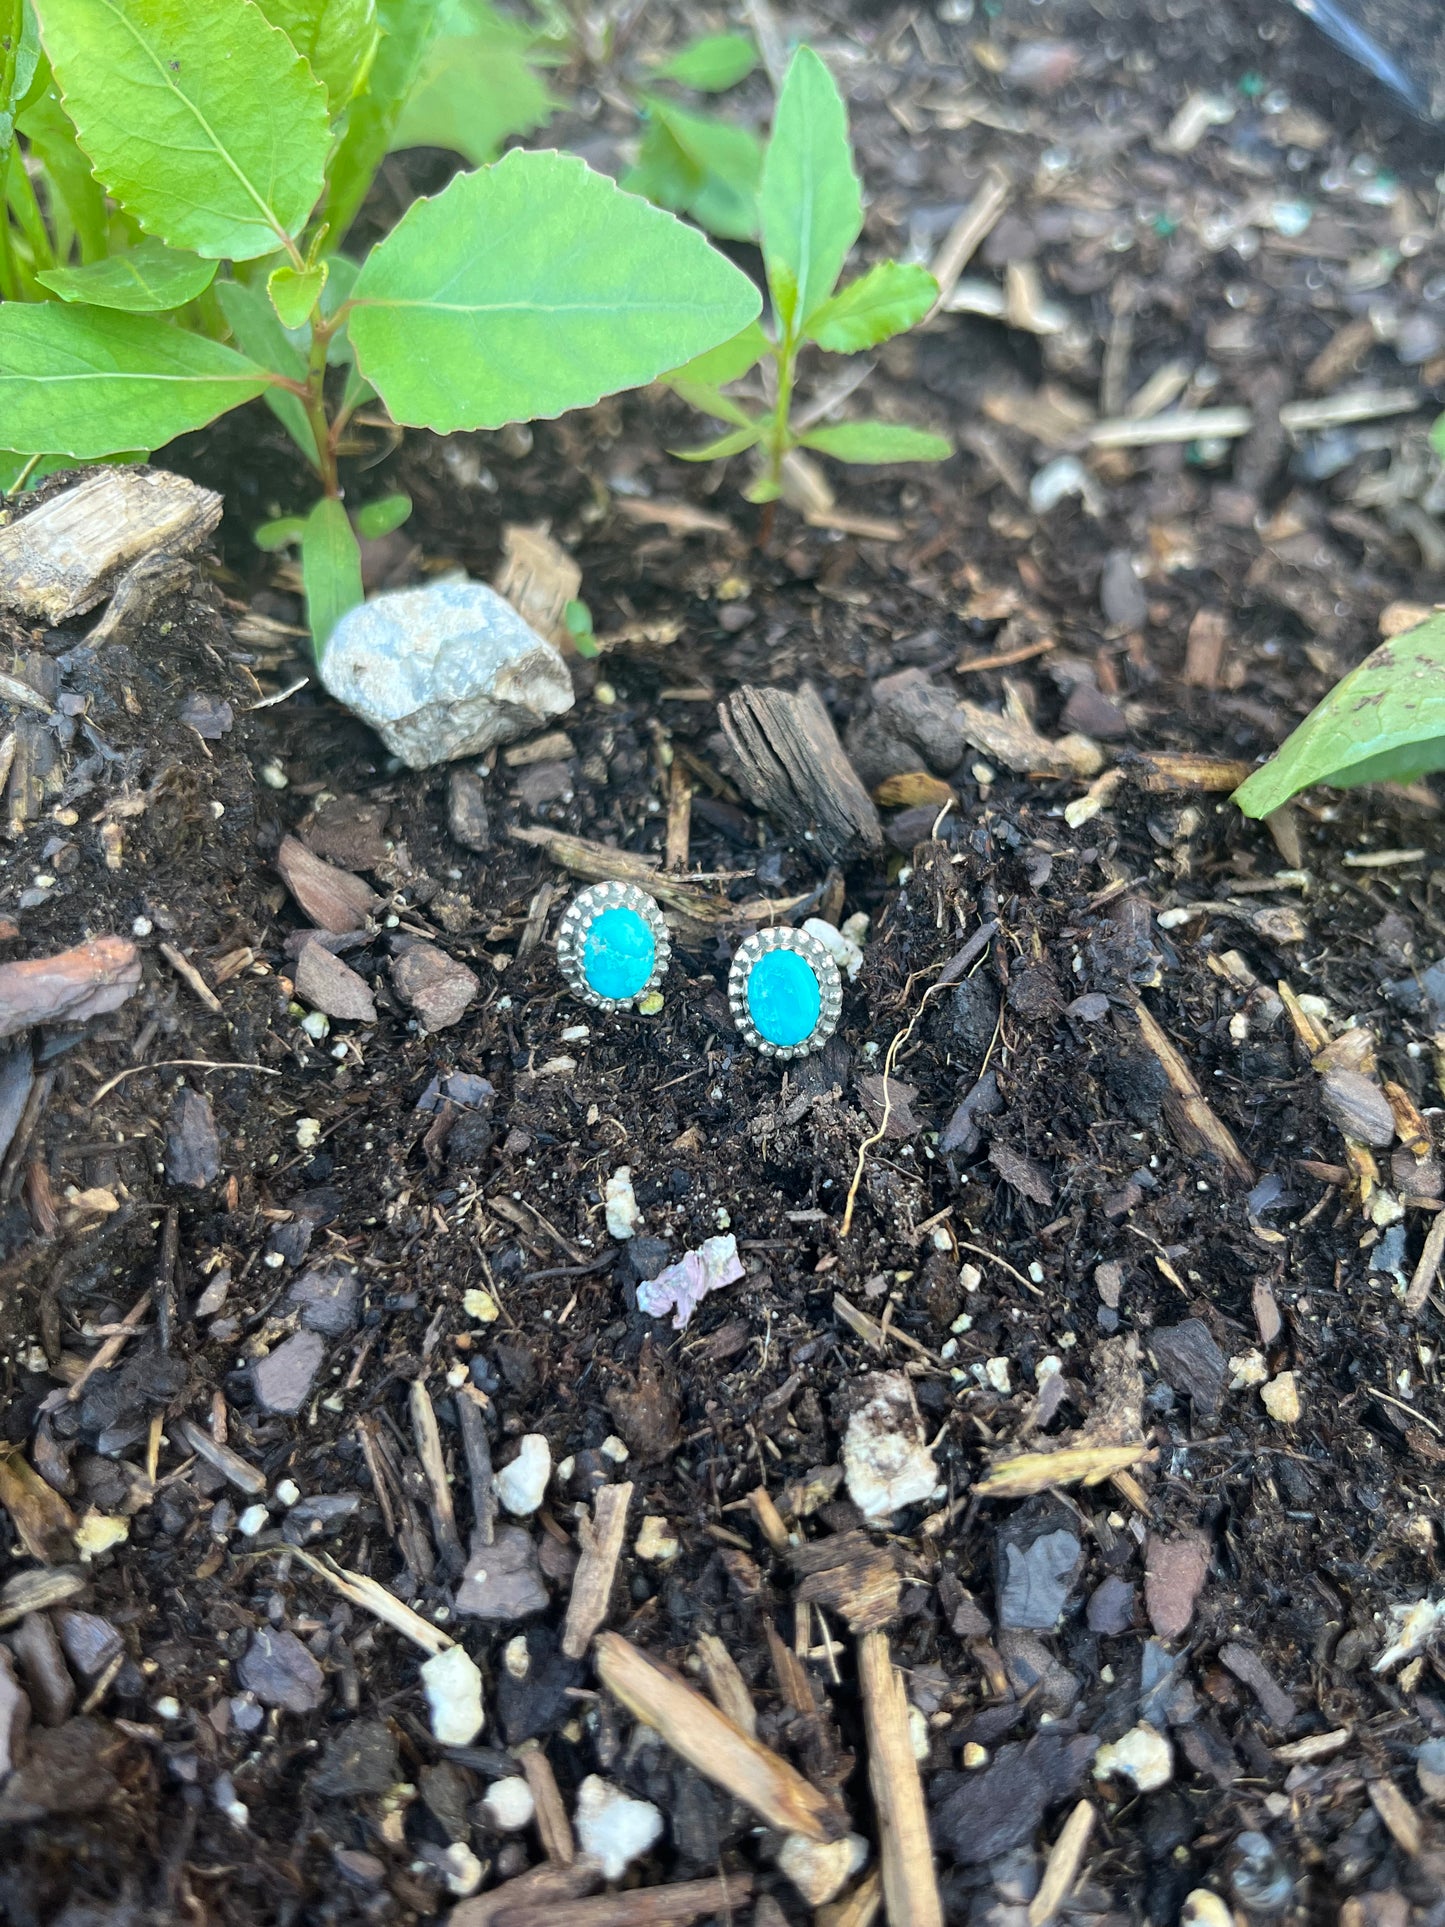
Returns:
point(1428, 1268)
point(539, 578)
point(1398, 1815)
point(674, 1906)
point(851, 1575)
point(88, 981)
point(1191, 1117)
point(601, 1546)
point(708, 1740)
point(726, 1684)
point(1011, 739)
point(910, 1882)
point(334, 899)
point(1163, 770)
point(554, 1829)
point(434, 1466)
point(44, 1523)
point(1065, 1858)
point(1205, 648)
point(245, 1477)
point(546, 1885)
point(1031, 1472)
point(190, 976)
point(795, 768)
point(65, 556)
point(37, 1592)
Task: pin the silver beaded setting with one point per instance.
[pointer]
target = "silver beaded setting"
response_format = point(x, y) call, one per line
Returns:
point(581, 913)
point(820, 962)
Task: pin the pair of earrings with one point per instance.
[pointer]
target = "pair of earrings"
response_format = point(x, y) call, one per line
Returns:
point(783, 988)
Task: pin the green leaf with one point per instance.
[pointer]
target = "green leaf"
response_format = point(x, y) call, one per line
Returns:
point(1437, 436)
point(283, 533)
point(149, 278)
point(259, 334)
point(696, 164)
point(729, 361)
point(50, 136)
point(709, 401)
point(294, 295)
point(810, 200)
point(878, 442)
point(407, 30)
point(713, 63)
point(336, 38)
point(474, 91)
point(732, 444)
point(19, 57)
point(533, 287)
point(380, 517)
point(889, 298)
point(1383, 723)
point(88, 382)
point(330, 570)
point(202, 120)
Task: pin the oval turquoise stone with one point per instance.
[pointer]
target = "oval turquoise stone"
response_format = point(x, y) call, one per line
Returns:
point(618, 953)
point(784, 999)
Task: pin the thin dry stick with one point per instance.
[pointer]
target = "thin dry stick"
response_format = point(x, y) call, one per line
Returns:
point(188, 973)
point(726, 1684)
point(679, 818)
point(99, 1360)
point(433, 1463)
point(910, 1883)
point(707, 1739)
point(674, 1906)
point(596, 1568)
point(176, 1064)
point(553, 1826)
point(1428, 1269)
point(963, 238)
point(1063, 1868)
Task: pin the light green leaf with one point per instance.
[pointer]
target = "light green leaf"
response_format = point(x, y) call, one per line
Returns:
point(88, 382)
point(259, 334)
point(878, 442)
point(889, 298)
point(474, 91)
point(336, 38)
point(19, 57)
point(283, 533)
point(380, 517)
point(294, 295)
point(202, 120)
point(407, 30)
point(709, 401)
point(1383, 723)
point(698, 165)
point(762, 489)
point(533, 287)
point(330, 570)
point(731, 444)
point(50, 136)
point(713, 63)
point(149, 278)
point(729, 361)
point(810, 201)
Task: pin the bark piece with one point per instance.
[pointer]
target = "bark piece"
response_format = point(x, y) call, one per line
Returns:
point(1174, 1572)
point(14, 1715)
point(795, 768)
point(848, 1573)
point(66, 555)
point(88, 981)
point(434, 985)
point(1191, 1118)
point(1247, 1666)
point(333, 899)
point(278, 1669)
point(674, 1906)
point(326, 983)
point(910, 1882)
point(553, 1826)
point(245, 1477)
point(601, 1542)
point(44, 1523)
point(193, 1148)
point(694, 1728)
point(52, 1690)
point(283, 1377)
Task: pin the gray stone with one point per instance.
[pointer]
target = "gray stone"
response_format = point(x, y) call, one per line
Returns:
point(52, 1690)
point(911, 706)
point(1036, 1579)
point(1174, 1573)
point(14, 1714)
point(444, 671)
point(1111, 1607)
point(360, 1758)
point(1121, 593)
point(1358, 1107)
point(90, 1642)
point(1032, 1668)
point(327, 1294)
point(283, 1377)
point(280, 1672)
point(503, 1581)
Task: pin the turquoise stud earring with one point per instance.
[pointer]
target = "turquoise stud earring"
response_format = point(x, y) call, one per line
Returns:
point(785, 993)
point(613, 945)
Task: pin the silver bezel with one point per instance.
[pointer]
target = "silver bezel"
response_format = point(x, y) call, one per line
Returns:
point(830, 985)
point(582, 912)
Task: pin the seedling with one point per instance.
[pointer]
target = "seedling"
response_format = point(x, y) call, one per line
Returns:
point(523, 289)
point(810, 212)
point(1382, 723)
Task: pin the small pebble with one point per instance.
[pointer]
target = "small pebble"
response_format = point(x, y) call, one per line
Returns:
point(1281, 1398)
point(613, 1826)
point(820, 1869)
point(1142, 1755)
point(656, 1541)
point(453, 1687)
point(522, 1484)
point(287, 1492)
point(1203, 1909)
point(253, 1520)
point(886, 1460)
point(623, 1216)
point(508, 1804)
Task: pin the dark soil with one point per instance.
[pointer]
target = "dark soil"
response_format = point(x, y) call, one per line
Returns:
point(1080, 1231)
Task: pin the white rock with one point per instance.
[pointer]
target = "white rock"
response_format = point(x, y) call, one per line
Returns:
point(452, 1683)
point(253, 1520)
point(1281, 1398)
point(614, 1827)
point(613, 1448)
point(522, 1485)
point(819, 1869)
point(623, 1216)
point(656, 1541)
point(463, 1869)
point(444, 671)
point(508, 1804)
point(1142, 1755)
point(287, 1492)
point(847, 954)
point(1204, 1909)
point(886, 1461)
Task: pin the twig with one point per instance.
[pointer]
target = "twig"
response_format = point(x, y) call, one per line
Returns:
point(707, 1739)
point(374, 1598)
point(188, 974)
point(1062, 1870)
point(1005, 658)
point(963, 238)
point(98, 1361)
point(674, 1906)
point(230, 1464)
point(176, 1064)
point(679, 818)
point(433, 1464)
point(478, 1448)
point(601, 1541)
point(1195, 1122)
point(726, 1684)
point(910, 1883)
point(553, 1825)
point(1427, 1270)
point(1184, 425)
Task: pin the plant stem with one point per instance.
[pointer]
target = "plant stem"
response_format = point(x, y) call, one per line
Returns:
point(780, 439)
point(321, 333)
